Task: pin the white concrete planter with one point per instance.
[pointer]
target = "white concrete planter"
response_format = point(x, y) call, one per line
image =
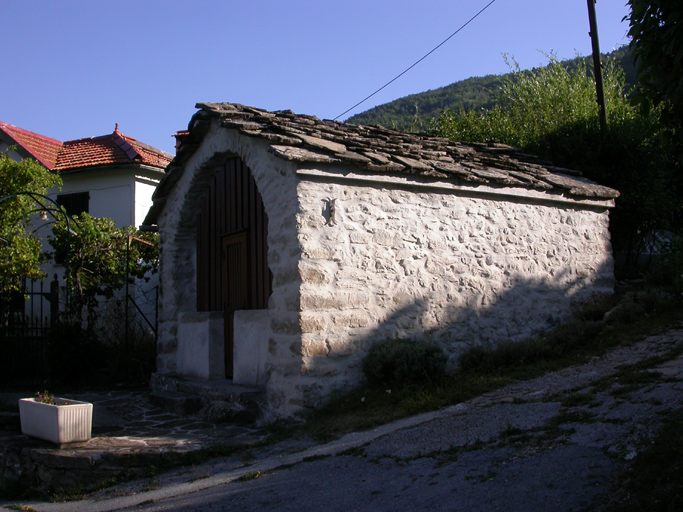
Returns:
point(69, 421)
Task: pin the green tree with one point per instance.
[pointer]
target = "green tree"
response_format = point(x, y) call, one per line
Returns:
point(530, 105)
point(20, 249)
point(101, 256)
point(656, 31)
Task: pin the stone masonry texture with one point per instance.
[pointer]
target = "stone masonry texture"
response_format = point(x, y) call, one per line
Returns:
point(457, 271)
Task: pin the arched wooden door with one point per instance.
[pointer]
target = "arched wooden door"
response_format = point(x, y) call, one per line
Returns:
point(232, 249)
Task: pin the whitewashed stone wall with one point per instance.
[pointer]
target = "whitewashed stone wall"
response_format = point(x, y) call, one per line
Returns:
point(392, 263)
point(355, 263)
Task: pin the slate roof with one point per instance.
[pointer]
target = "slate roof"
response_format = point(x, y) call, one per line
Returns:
point(378, 150)
point(43, 149)
point(112, 149)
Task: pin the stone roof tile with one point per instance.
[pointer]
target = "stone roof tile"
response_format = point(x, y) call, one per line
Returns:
point(300, 154)
point(375, 149)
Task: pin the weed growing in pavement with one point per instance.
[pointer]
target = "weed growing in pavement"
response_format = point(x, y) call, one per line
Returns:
point(151, 486)
point(74, 493)
point(356, 451)
point(253, 475)
point(578, 399)
point(199, 476)
point(313, 458)
point(566, 417)
point(630, 378)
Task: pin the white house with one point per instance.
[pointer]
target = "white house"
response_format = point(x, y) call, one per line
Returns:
point(290, 244)
point(108, 176)
point(111, 175)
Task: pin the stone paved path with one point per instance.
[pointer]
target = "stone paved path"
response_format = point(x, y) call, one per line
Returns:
point(129, 437)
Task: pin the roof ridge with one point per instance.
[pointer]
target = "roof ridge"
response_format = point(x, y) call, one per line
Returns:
point(44, 137)
point(128, 149)
point(113, 148)
point(147, 147)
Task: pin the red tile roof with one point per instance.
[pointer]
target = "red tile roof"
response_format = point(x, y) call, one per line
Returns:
point(43, 149)
point(107, 150)
point(112, 149)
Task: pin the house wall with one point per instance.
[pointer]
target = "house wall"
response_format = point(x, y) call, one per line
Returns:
point(393, 262)
point(145, 185)
point(13, 154)
point(121, 194)
point(112, 192)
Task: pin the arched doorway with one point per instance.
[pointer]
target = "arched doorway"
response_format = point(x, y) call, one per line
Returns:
point(232, 249)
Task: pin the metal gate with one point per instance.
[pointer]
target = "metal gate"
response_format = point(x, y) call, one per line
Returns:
point(23, 337)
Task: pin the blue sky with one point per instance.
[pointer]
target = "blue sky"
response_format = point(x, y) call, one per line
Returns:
point(74, 68)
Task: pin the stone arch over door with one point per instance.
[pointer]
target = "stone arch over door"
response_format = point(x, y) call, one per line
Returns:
point(232, 251)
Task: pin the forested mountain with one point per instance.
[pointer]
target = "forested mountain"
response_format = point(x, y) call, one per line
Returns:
point(413, 112)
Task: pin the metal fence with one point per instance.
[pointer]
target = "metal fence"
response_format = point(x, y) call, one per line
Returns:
point(126, 328)
point(23, 337)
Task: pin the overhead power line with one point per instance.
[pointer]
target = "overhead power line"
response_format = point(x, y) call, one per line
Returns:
point(417, 62)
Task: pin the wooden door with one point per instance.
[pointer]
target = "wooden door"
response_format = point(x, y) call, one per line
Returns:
point(232, 248)
point(235, 288)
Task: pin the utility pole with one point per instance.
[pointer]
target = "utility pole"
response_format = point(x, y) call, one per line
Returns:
point(597, 65)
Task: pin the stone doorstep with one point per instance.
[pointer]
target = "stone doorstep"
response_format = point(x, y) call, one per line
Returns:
point(89, 463)
point(215, 401)
point(176, 402)
point(224, 391)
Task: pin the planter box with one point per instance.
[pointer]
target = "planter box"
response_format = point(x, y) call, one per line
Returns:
point(59, 424)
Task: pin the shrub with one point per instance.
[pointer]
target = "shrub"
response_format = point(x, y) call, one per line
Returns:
point(403, 362)
point(594, 307)
point(75, 356)
point(634, 306)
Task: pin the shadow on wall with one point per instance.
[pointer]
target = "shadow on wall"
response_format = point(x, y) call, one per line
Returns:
point(507, 311)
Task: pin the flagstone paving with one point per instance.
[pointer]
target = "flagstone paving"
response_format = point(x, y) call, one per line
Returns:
point(129, 437)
